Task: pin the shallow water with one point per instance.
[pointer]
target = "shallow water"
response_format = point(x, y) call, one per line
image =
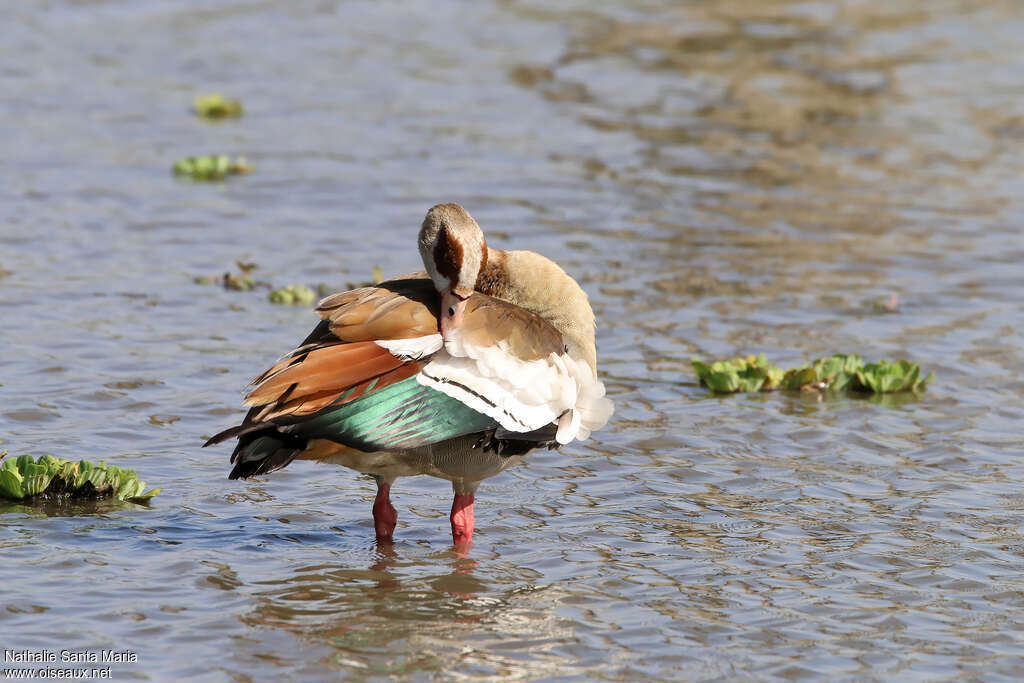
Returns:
point(722, 177)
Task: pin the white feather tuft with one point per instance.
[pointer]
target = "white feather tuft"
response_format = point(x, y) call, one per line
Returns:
point(568, 427)
point(412, 349)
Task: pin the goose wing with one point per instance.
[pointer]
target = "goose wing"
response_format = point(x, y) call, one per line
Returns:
point(352, 380)
point(512, 365)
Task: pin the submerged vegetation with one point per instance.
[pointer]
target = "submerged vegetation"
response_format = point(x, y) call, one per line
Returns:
point(48, 477)
point(834, 374)
point(211, 167)
point(216, 106)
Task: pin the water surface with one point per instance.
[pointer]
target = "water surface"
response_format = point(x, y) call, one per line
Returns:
point(722, 177)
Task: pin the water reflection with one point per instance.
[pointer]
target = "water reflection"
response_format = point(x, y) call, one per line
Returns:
point(65, 507)
point(398, 614)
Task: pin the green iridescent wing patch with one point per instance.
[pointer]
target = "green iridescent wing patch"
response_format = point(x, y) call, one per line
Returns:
point(400, 416)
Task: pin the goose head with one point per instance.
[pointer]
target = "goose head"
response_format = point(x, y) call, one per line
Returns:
point(454, 252)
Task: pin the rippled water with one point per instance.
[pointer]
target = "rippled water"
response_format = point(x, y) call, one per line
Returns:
point(723, 178)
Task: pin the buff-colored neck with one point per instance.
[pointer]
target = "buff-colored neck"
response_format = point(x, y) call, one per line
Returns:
point(539, 285)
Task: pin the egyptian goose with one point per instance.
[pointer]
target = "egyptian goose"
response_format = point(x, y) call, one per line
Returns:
point(453, 372)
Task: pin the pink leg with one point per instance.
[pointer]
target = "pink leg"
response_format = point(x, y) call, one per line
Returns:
point(462, 519)
point(384, 515)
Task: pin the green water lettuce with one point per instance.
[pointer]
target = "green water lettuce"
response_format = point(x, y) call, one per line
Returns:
point(216, 106)
point(211, 167)
point(886, 377)
point(748, 373)
point(293, 295)
point(835, 373)
point(24, 478)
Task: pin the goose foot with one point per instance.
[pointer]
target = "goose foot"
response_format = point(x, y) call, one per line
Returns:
point(462, 519)
point(384, 516)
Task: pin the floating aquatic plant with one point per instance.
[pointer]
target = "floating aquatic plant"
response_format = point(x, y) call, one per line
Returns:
point(835, 373)
point(24, 478)
point(293, 295)
point(738, 374)
point(885, 377)
point(216, 106)
point(301, 295)
point(242, 281)
point(211, 167)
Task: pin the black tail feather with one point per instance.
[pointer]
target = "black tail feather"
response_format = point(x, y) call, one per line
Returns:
point(228, 433)
point(264, 451)
point(249, 424)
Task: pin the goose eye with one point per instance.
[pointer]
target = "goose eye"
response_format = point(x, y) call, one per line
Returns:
point(451, 310)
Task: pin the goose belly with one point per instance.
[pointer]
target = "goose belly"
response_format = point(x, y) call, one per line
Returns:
point(455, 460)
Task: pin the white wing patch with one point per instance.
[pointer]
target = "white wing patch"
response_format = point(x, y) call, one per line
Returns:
point(412, 349)
point(520, 395)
